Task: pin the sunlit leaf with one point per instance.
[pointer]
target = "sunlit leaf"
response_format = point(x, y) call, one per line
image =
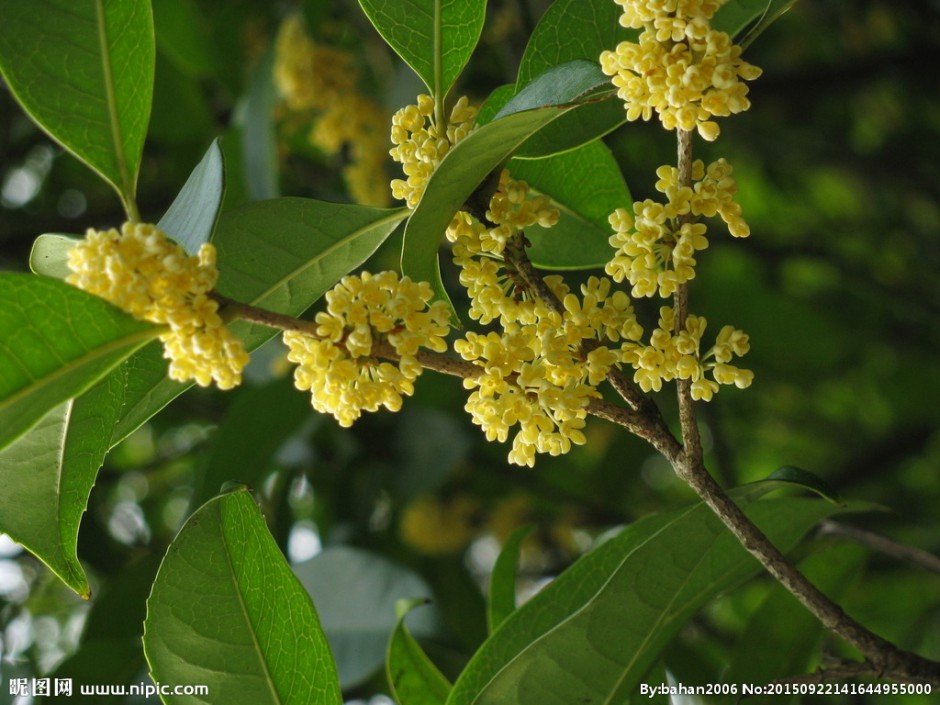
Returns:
point(191, 217)
point(413, 678)
point(434, 37)
point(55, 342)
point(84, 72)
point(595, 631)
point(227, 612)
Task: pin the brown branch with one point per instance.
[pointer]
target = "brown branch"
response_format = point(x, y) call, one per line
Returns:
point(883, 544)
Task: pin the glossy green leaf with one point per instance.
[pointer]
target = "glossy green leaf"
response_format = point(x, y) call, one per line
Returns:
point(55, 342)
point(54, 466)
point(191, 217)
point(227, 612)
point(571, 30)
point(737, 15)
point(593, 633)
point(356, 593)
point(256, 425)
point(282, 255)
point(501, 600)
point(413, 678)
point(434, 37)
point(586, 185)
point(467, 165)
point(782, 637)
point(84, 72)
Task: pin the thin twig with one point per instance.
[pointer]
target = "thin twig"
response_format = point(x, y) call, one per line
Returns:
point(883, 544)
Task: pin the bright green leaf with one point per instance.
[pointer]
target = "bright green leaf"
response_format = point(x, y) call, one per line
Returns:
point(501, 600)
point(595, 631)
point(356, 593)
point(434, 37)
point(782, 637)
point(559, 85)
point(55, 342)
point(227, 612)
point(413, 678)
point(191, 217)
point(586, 185)
point(282, 255)
point(84, 72)
point(54, 466)
point(571, 30)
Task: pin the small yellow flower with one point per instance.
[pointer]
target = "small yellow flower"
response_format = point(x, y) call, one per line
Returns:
point(337, 365)
point(142, 272)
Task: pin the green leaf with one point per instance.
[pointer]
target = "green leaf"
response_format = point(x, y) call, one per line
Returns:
point(84, 72)
point(795, 476)
point(414, 680)
point(782, 637)
point(183, 36)
point(226, 612)
point(256, 425)
point(571, 30)
point(466, 166)
point(55, 342)
point(282, 255)
point(737, 15)
point(191, 217)
point(259, 138)
point(592, 634)
point(502, 595)
point(356, 593)
point(434, 37)
point(586, 185)
point(53, 466)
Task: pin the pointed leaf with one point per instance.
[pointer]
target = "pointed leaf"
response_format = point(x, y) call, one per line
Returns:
point(799, 477)
point(84, 72)
point(414, 680)
point(501, 600)
point(282, 255)
point(594, 632)
point(55, 342)
point(586, 185)
point(434, 37)
point(737, 15)
point(191, 217)
point(227, 612)
point(54, 466)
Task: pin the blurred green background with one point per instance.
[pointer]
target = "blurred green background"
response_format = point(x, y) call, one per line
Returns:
point(838, 164)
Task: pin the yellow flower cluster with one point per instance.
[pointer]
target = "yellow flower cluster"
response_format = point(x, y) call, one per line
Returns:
point(679, 67)
point(316, 78)
point(145, 274)
point(338, 366)
point(536, 374)
point(655, 252)
point(421, 142)
point(672, 356)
